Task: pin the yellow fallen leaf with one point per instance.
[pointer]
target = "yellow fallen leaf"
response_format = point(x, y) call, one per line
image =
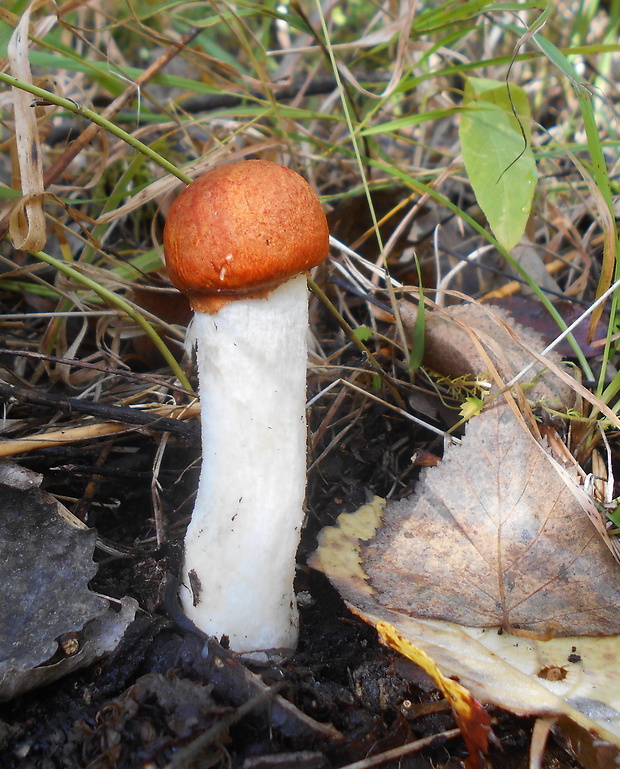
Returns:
point(472, 720)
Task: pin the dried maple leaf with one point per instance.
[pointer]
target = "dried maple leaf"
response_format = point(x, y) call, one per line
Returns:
point(495, 538)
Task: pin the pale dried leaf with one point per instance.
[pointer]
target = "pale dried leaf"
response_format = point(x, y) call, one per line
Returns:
point(27, 222)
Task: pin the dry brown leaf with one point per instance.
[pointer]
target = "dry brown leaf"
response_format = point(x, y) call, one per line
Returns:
point(530, 259)
point(495, 538)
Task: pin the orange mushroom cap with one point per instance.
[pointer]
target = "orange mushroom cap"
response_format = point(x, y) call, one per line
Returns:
point(242, 229)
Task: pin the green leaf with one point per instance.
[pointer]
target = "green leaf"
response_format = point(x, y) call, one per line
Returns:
point(8, 193)
point(363, 333)
point(471, 407)
point(614, 515)
point(495, 142)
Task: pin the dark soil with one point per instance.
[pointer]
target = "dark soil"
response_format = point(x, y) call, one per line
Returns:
point(159, 701)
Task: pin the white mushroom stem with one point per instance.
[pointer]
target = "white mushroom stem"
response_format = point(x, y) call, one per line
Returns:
point(241, 543)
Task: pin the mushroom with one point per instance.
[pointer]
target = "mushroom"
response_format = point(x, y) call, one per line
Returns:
point(238, 242)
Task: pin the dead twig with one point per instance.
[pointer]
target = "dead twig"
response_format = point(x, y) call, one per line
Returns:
point(403, 750)
point(186, 755)
point(161, 381)
point(120, 414)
